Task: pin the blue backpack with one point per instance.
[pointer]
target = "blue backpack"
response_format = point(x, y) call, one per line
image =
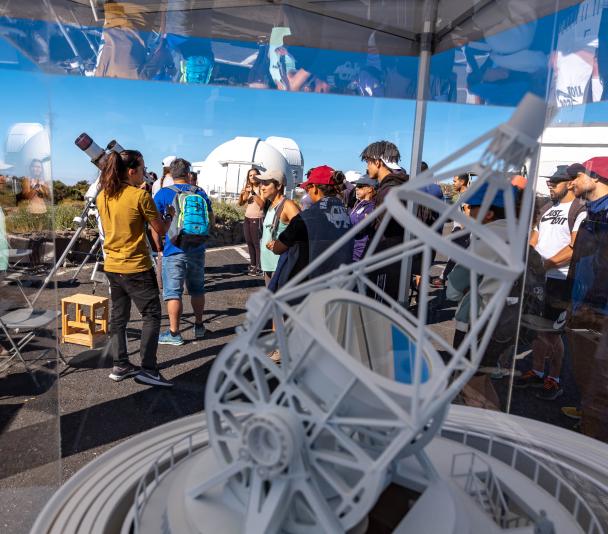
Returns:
point(190, 226)
point(196, 69)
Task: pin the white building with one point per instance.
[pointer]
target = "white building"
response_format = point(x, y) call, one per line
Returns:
point(225, 169)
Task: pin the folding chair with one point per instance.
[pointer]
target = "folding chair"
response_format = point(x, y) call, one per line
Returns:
point(29, 320)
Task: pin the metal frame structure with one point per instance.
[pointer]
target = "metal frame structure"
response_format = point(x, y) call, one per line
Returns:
point(309, 445)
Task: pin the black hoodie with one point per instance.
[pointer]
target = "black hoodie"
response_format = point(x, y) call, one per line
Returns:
point(393, 233)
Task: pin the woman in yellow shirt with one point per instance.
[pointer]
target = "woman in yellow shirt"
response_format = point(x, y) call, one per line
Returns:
point(124, 210)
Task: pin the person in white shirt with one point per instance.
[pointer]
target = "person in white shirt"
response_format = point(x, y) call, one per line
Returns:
point(167, 179)
point(553, 238)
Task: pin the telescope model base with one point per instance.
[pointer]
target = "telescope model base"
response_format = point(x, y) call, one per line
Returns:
point(540, 470)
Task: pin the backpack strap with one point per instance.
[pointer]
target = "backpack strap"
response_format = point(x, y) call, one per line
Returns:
point(577, 207)
point(173, 188)
point(276, 219)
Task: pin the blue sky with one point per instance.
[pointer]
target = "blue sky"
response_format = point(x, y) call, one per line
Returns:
point(161, 118)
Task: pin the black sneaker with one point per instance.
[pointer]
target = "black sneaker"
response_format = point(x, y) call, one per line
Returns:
point(120, 372)
point(152, 378)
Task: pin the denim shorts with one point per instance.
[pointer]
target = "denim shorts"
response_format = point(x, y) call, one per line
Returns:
point(180, 268)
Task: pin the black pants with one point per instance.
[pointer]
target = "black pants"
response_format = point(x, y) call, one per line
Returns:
point(142, 289)
point(253, 233)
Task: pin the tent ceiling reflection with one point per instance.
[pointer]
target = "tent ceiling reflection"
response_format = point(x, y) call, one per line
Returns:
point(332, 25)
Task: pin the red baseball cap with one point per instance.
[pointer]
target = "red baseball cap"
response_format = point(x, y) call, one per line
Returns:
point(323, 175)
point(597, 167)
point(519, 181)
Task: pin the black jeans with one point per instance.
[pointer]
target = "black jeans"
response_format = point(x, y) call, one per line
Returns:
point(142, 289)
point(253, 233)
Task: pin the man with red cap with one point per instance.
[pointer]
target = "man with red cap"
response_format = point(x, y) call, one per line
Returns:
point(589, 309)
point(312, 231)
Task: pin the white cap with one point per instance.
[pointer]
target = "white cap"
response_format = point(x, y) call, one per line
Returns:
point(168, 160)
point(392, 165)
point(352, 176)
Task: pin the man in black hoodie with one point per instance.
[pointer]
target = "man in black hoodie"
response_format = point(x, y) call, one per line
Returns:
point(382, 158)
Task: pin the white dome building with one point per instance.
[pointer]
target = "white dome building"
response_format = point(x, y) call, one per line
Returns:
point(225, 169)
point(25, 142)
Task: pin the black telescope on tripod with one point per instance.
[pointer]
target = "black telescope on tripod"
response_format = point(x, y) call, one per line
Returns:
point(98, 157)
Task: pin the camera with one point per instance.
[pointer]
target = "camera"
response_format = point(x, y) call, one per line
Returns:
point(99, 155)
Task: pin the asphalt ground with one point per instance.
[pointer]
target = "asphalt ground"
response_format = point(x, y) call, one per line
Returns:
point(49, 432)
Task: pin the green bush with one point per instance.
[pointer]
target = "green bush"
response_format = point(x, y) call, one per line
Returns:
point(21, 221)
point(228, 213)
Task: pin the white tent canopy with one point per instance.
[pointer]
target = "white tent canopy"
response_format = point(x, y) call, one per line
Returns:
point(330, 25)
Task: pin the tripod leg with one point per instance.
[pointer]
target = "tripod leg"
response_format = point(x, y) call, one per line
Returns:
point(82, 222)
point(87, 256)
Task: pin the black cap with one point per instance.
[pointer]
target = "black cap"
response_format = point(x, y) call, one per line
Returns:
point(561, 174)
point(575, 168)
point(366, 180)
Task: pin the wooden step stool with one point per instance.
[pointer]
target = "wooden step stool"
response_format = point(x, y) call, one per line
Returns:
point(82, 328)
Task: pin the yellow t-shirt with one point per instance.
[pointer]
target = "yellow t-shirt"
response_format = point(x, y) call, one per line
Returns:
point(122, 219)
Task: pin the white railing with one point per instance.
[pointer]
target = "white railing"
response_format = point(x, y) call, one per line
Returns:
point(165, 463)
point(481, 483)
point(520, 456)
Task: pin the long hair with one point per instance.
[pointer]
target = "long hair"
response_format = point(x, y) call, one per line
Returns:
point(115, 169)
point(256, 170)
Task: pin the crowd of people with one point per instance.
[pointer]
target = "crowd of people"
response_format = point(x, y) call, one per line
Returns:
point(565, 297)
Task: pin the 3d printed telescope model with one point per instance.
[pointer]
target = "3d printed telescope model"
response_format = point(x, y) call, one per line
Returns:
point(310, 445)
point(359, 401)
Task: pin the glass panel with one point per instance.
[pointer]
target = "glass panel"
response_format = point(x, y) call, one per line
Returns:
point(29, 363)
point(222, 130)
point(560, 358)
point(168, 78)
point(337, 48)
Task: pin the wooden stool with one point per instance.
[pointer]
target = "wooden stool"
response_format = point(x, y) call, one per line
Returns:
point(83, 330)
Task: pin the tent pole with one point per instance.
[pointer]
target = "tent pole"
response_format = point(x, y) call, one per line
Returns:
point(424, 64)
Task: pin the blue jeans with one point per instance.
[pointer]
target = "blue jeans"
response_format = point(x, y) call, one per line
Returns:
point(180, 268)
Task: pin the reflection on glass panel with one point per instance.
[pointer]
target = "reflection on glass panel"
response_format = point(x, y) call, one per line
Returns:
point(270, 46)
point(562, 341)
point(29, 360)
point(563, 56)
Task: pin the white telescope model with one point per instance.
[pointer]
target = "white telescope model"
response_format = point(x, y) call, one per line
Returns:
point(309, 446)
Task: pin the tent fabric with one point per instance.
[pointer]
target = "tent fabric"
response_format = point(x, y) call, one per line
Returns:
point(335, 25)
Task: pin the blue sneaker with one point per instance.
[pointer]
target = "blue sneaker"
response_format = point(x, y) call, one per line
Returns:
point(199, 331)
point(169, 339)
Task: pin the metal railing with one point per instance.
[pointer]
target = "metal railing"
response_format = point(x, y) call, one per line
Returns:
point(165, 463)
point(516, 456)
point(484, 486)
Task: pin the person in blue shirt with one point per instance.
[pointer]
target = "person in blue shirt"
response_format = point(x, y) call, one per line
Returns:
point(181, 266)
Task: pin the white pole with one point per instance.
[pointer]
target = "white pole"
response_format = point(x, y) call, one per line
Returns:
point(426, 52)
